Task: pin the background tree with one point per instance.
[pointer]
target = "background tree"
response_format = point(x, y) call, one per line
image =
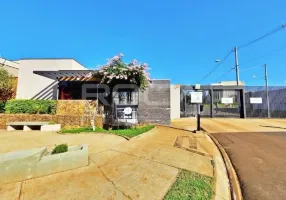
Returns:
point(6, 85)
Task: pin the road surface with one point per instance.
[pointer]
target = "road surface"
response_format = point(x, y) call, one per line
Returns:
point(260, 161)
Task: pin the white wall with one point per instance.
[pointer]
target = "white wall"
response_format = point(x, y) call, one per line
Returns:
point(11, 67)
point(175, 101)
point(33, 86)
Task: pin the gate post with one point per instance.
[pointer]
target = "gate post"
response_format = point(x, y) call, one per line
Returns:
point(212, 102)
point(242, 102)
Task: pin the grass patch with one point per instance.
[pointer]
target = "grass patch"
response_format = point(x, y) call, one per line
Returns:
point(191, 186)
point(130, 132)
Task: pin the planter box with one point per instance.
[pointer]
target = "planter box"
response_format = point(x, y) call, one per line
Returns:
point(23, 165)
point(51, 127)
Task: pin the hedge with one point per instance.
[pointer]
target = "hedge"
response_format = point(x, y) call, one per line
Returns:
point(2, 106)
point(31, 106)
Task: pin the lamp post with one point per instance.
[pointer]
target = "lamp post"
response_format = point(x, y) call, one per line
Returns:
point(267, 92)
point(235, 50)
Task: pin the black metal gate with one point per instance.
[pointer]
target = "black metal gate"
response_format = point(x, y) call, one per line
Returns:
point(218, 101)
point(227, 103)
point(190, 109)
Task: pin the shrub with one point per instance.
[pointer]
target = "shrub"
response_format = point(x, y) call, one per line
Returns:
point(2, 106)
point(52, 122)
point(6, 85)
point(60, 149)
point(31, 106)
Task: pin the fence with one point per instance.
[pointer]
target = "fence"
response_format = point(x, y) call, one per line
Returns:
point(277, 101)
point(248, 101)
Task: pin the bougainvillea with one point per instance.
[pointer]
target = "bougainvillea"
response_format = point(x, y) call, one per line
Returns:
point(115, 69)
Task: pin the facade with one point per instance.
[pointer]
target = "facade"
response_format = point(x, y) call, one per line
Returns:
point(33, 86)
point(65, 79)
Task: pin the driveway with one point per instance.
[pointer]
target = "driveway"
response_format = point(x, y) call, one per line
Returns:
point(143, 168)
point(259, 159)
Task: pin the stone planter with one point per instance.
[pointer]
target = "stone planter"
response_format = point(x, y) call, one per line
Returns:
point(23, 165)
point(51, 127)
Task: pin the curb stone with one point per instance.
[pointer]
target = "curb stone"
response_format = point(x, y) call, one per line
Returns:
point(235, 188)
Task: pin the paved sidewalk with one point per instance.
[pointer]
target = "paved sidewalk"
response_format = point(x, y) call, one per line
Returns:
point(226, 125)
point(143, 168)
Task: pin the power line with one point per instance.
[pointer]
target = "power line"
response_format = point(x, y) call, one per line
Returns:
point(265, 55)
point(230, 70)
point(246, 69)
point(220, 63)
point(279, 28)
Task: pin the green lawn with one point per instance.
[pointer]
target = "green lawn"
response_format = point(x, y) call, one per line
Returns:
point(130, 132)
point(191, 186)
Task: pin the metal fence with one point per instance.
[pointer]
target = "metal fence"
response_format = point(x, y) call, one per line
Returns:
point(250, 101)
point(277, 101)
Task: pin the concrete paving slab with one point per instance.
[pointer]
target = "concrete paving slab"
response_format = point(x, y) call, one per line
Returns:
point(85, 183)
point(10, 191)
point(168, 155)
point(137, 178)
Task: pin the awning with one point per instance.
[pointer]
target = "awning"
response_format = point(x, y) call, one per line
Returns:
point(67, 75)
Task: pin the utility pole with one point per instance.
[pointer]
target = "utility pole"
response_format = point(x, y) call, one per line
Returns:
point(267, 93)
point(236, 66)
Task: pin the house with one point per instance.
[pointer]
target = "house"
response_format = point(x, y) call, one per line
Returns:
point(11, 66)
point(66, 79)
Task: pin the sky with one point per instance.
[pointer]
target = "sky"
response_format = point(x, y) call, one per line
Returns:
point(180, 40)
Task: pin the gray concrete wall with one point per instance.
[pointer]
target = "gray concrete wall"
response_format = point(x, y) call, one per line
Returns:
point(154, 103)
point(33, 86)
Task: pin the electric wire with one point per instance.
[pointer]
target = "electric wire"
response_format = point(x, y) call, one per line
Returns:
point(246, 69)
point(220, 63)
point(223, 75)
point(279, 28)
point(263, 56)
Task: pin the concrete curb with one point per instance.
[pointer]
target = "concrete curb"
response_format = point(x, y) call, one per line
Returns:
point(235, 188)
point(174, 127)
point(140, 135)
point(125, 137)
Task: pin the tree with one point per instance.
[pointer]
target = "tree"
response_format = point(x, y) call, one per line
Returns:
point(116, 70)
point(6, 85)
point(92, 111)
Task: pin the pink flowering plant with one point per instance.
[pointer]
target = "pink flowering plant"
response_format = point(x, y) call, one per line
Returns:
point(115, 70)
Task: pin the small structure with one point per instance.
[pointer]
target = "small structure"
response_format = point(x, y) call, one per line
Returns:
point(28, 126)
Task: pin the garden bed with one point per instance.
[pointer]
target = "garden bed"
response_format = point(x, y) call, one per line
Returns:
point(130, 132)
point(32, 163)
point(191, 186)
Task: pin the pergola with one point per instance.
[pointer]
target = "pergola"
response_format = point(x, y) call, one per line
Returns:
point(68, 75)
